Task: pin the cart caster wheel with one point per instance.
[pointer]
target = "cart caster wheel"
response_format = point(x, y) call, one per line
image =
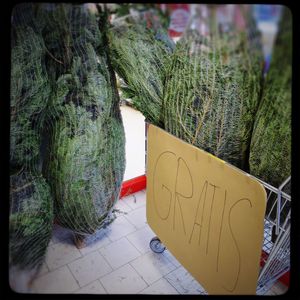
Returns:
point(156, 245)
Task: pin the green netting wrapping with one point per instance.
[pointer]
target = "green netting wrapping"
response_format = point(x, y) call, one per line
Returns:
point(31, 209)
point(213, 86)
point(29, 88)
point(270, 152)
point(30, 219)
point(140, 57)
point(86, 152)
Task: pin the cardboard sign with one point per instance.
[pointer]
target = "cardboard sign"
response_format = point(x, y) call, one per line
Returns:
point(209, 214)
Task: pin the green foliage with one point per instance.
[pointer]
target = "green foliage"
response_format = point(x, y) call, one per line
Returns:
point(31, 207)
point(270, 152)
point(86, 158)
point(205, 91)
point(29, 93)
point(30, 221)
point(212, 91)
point(140, 56)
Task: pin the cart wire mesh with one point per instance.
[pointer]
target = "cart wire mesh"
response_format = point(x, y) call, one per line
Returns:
point(275, 259)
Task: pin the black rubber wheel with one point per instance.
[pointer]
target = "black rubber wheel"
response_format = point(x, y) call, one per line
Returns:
point(156, 245)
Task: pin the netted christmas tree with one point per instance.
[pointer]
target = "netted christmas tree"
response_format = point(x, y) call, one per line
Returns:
point(86, 154)
point(270, 152)
point(31, 209)
point(213, 86)
point(140, 55)
point(150, 11)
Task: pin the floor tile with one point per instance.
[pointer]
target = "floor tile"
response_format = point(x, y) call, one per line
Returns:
point(20, 279)
point(124, 280)
point(57, 281)
point(137, 217)
point(269, 293)
point(183, 282)
point(60, 254)
point(162, 286)
point(122, 206)
point(92, 288)
point(141, 239)
point(43, 270)
point(140, 196)
point(119, 253)
point(135, 200)
point(116, 260)
point(278, 288)
point(128, 200)
point(89, 268)
point(152, 266)
point(118, 228)
point(60, 233)
point(99, 240)
point(172, 258)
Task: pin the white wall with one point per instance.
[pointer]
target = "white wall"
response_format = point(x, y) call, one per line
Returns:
point(134, 125)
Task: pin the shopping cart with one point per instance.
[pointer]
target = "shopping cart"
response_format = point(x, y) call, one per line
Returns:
point(275, 259)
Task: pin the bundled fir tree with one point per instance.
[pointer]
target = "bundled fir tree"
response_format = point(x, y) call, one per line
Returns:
point(213, 86)
point(270, 152)
point(205, 90)
point(86, 157)
point(31, 210)
point(140, 56)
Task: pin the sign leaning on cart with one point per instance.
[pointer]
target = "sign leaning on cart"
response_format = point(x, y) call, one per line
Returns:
point(209, 214)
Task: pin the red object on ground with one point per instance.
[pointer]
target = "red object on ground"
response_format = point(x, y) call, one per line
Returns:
point(133, 185)
point(285, 278)
point(179, 15)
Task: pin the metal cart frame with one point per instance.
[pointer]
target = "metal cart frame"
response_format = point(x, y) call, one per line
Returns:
point(275, 259)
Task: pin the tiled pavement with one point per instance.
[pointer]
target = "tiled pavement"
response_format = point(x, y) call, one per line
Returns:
point(118, 261)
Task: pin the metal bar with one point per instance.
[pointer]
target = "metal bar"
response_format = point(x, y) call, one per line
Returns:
point(271, 188)
point(278, 212)
point(279, 203)
point(284, 183)
point(278, 244)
